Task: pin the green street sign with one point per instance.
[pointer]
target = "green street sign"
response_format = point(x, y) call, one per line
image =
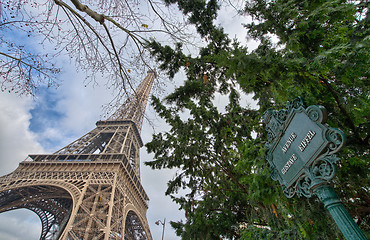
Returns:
point(298, 147)
point(301, 147)
point(301, 151)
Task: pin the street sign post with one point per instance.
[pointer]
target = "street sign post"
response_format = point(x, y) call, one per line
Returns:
point(301, 151)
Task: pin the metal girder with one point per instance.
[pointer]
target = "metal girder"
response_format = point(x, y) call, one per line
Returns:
point(91, 188)
point(52, 205)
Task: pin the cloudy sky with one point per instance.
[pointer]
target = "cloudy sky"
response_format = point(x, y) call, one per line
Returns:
point(58, 116)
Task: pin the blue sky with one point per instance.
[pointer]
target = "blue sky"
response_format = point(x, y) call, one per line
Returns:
point(46, 115)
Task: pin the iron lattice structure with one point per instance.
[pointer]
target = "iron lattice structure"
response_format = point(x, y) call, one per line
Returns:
point(90, 189)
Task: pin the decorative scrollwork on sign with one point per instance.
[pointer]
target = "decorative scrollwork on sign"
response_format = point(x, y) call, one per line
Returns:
point(325, 168)
point(282, 115)
point(275, 120)
point(273, 126)
point(295, 104)
point(304, 186)
point(289, 192)
point(317, 113)
point(336, 140)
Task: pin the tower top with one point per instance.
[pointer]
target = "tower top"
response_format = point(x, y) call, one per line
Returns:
point(134, 107)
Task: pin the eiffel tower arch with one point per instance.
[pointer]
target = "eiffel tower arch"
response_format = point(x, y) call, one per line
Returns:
point(90, 189)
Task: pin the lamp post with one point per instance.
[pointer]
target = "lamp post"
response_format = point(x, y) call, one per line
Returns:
point(163, 223)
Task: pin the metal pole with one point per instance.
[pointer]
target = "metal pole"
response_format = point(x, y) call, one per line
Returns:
point(164, 224)
point(344, 221)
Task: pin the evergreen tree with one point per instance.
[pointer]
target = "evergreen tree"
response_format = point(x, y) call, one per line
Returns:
point(322, 55)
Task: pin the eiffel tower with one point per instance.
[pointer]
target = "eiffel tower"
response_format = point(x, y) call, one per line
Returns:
point(90, 189)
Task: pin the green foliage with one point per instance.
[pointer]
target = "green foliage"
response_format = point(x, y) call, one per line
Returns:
point(201, 13)
point(322, 55)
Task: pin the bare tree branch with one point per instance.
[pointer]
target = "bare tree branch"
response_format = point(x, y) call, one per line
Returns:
point(102, 37)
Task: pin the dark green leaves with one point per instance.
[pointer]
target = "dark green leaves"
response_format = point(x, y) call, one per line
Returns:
point(318, 50)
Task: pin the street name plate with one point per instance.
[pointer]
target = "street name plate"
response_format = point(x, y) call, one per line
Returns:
point(301, 143)
point(300, 146)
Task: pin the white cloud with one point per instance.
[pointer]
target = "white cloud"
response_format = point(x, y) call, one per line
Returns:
point(16, 139)
point(16, 142)
point(81, 104)
point(232, 22)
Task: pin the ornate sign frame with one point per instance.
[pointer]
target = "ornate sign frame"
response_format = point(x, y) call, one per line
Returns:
point(301, 147)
